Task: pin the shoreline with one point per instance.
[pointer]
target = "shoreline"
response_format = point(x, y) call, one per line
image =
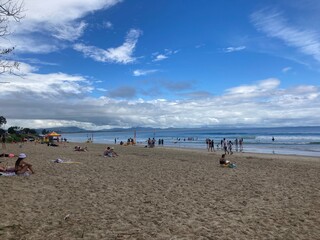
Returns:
point(140, 144)
point(277, 148)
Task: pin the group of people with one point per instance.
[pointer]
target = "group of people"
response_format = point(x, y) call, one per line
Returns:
point(226, 145)
point(151, 142)
point(210, 145)
point(21, 166)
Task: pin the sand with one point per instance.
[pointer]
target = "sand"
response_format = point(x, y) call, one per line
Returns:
point(159, 193)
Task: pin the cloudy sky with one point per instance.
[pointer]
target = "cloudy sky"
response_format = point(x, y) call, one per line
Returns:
point(100, 64)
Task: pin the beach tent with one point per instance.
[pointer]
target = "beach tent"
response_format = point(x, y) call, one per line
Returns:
point(51, 136)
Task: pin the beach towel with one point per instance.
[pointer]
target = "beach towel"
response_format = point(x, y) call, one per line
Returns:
point(232, 165)
point(10, 174)
point(58, 160)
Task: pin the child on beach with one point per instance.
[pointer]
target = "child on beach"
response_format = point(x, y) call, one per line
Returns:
point(109, 152)
point(225, 163)
point(223, 160)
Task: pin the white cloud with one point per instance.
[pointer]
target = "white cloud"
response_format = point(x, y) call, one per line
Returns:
point(163, 56)
point(102, 89)
point(107, 25)
point(44, 85)
point(51, 20)
point(200, 46)
point(60, 99)
point(141, 72)
point(70, 31)
point(234, 49)
point(262, 88)
point(159, 57)
point(122, 54)
point(59, 11)
point(286, 69)
point(26, 44)
point(276, 26)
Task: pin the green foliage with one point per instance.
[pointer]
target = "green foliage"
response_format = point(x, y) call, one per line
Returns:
point(33, 132)
point(44, 132)
point(3, 120)
point(9, 10)
point(14, 130)
point(14, 138)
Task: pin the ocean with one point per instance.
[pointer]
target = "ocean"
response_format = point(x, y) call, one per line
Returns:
point(303, 141)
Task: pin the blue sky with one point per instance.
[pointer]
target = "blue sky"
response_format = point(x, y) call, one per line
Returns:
point(102, 64)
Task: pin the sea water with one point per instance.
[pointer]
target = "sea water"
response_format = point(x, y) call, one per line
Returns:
point(285, 140)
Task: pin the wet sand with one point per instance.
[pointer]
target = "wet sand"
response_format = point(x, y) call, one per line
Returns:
point(159, 193)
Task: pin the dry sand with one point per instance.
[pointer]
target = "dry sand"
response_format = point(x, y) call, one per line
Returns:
point(159, 194)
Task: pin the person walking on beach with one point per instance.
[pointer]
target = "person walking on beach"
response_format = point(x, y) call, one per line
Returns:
point(225, 146)
point(230, 146)
point(241, 144)
point(3, 140)
point(211, 145)
point(236, 143)
point(207, 142)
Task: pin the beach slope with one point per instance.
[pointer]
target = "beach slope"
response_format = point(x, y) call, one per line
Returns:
point(159, 193)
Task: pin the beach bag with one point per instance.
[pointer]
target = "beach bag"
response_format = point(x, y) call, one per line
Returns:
point(232, 165)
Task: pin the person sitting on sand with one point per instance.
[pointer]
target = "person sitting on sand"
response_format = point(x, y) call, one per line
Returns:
point(114, 154)
point(21, 166)
point(223, 160)
point(109, 152)
point(225, 163)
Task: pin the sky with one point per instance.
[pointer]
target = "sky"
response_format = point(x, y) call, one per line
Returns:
point(103, 64)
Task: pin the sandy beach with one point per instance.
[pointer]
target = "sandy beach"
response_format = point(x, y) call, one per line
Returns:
point(159, 193)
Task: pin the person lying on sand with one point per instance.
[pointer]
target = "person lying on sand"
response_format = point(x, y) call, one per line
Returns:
point(7, 155)
point(49, 144)
point(6, 169)
point(80, 149)
point(22, 166)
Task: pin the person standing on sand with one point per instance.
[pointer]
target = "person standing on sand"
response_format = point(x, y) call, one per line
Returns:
point(236, 143)
point(241, 144)
point(211, 145)
point(225, 146)
point(230, 147)
point(3, 140)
